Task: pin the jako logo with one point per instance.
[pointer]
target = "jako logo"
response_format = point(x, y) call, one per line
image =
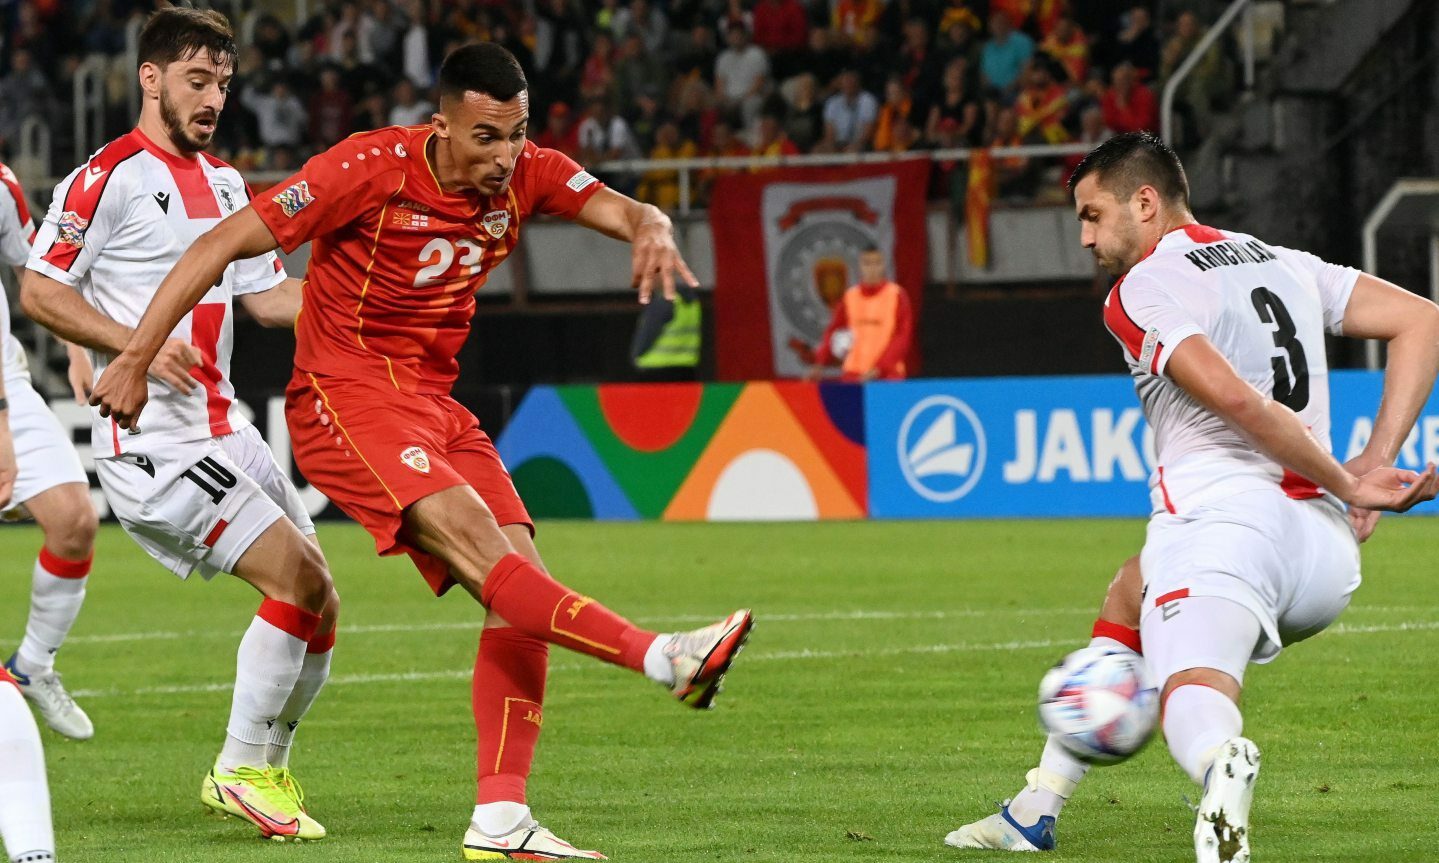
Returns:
point(941, 448)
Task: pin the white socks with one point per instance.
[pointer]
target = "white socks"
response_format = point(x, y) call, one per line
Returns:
point(1197, 719)
point(24, 794)
point(55, 602)
point(658, 666)
point(314, 671)
point(266, 668)
point(497, 819)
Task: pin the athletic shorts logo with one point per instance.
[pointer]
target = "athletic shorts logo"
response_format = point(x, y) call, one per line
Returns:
point(416, 459)
point(941, 448)
point(496, 222)
point(581, 180)
point(71, 229)
point(295, 198)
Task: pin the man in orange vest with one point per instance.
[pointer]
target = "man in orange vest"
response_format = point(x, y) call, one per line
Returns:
point(870, 333)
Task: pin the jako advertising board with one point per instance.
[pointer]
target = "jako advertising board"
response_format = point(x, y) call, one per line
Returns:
point(1066, 446)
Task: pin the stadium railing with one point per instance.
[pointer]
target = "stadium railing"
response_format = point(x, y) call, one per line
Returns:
point(1212, 35)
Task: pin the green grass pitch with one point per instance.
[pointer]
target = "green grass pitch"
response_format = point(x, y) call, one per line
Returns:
point(886, 697)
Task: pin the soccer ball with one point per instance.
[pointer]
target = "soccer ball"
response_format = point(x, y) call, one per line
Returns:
point(1100, 704)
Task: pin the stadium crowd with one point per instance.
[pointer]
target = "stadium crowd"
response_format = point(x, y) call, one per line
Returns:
point(618, 79)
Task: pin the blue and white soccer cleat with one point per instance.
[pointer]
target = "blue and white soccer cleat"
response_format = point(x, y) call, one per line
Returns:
point(1221, 828)
point(1000, 832)
point(53, 702)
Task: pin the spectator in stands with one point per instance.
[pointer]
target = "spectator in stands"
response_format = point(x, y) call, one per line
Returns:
point(1068, 44)
point(850, 115)
point(1137, 43)
point(854, 21)
point(645, 118)
point(636, 71)
point(871, 330)
point(605, 136)
point(382, 37)
point(920, 66)
point(559, 45)
point(279, 114)
point(273, 42)
point(1093, 132)
point(1017, 11)
point(1209, 82)
point(352, 22)
point(956, 119)
point(648, 22)
point(782, 30)
point(1129, 106)
point(960, 12)
point(1016, 176)
point(696, 113)
point(894, 112)
point(695, 60)
point(560, 132)
point(103, 33)
point(742, 76)
point(804, 113)
point(331, 111)
point(960, 40)
point(358, 76)
point(598, 74)
point(661, 186)
point(770, 138)
point(724, 144)
point(1003, 57)
point(415, 47)
point(1042, 105)
point(824, 59)
point(409, 109)
point(24, 93)
point(735, 13)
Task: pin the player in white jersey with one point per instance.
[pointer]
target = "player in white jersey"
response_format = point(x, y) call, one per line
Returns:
point(196, 487)
point(51, 487)
point(1249, 547)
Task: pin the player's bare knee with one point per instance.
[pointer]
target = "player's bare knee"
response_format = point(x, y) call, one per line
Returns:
point(1210, 677)
point(312, 583)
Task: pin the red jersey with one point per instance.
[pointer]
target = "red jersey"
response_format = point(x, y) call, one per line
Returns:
point(396, 260)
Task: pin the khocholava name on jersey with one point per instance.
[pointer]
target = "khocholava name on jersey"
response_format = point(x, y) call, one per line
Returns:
point(1229, 253)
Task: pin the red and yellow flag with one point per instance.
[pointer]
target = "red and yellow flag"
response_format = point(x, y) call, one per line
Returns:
point(977, 200)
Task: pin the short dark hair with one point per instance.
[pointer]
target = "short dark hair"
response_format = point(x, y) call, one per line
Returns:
point(179, 33)
point(482, 67)
point(1126, 162)
point(869, 248)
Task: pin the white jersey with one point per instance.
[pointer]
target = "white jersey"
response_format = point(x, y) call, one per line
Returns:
point(16, 232)
point(1266, 309)
point(115, 228)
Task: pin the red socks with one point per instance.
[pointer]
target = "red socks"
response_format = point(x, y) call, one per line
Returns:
point(541, 607)
point(1117, 632)
point(508, 698)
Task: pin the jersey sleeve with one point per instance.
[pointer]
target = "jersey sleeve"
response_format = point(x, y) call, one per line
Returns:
point(555, 185)
point(87, 209)
point(260, 273)
point(1335, 284)
point(329, 191)
point(16, 228)
point(1149, 322)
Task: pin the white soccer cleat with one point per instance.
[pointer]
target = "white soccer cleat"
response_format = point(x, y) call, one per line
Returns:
point(55, 705)
point(1000, 832)
point(528, 841)
point(1221, 829)
point(701, 657)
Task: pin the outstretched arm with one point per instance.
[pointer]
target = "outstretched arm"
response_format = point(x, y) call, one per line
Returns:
point(655, 259)
point(121, 391)
point(1275, 430)
point(277, 307)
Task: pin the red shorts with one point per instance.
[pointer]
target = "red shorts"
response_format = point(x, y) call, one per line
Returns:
point(374, 451)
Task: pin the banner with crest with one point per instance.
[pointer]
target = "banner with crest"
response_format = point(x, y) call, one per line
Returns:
point(787, 244)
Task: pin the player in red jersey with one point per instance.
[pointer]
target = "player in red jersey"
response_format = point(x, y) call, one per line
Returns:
point(406, 223)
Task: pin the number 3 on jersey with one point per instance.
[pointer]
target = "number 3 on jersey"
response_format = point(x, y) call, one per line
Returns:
point(1292, 392)
point(435, 272)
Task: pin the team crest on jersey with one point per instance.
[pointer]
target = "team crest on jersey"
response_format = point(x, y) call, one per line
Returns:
point(416, 459)
point(71, 229)
point(496, 222)
point(295, 198)
point(226, 199)
point(410, 221)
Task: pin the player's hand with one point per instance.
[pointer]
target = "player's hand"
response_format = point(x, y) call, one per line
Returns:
point(7, 461)
point(656, 261)
point(175, 364)
point(1394, 489)
point(121, 392)
point(81, 374)
point(1363, 521)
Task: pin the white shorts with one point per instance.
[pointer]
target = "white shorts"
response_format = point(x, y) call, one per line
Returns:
point(44, 454)
point(1292, 564)
point(200, 505)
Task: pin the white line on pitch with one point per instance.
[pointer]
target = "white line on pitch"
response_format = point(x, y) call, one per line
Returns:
point(779, 655)
point(680, 620)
